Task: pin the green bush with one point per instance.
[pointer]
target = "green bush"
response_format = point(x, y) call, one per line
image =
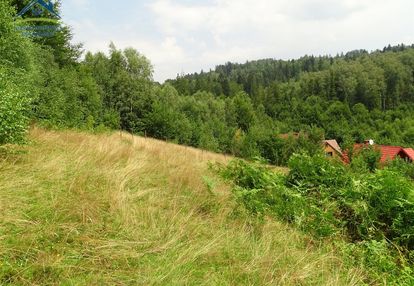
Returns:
point(17, 72)
point(367, 158)
point(403, 167)
point(14, 106)
point(391, 201)
point(314, 172)
point(262, 191)
point(373, 210)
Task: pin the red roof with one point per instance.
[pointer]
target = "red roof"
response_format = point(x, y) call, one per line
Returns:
point(387, 152)
point(410, 153)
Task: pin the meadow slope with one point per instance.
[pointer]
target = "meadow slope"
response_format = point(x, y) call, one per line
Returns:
point(112, 209)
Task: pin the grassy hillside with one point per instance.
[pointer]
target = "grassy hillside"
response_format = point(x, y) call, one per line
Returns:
point(80, 209)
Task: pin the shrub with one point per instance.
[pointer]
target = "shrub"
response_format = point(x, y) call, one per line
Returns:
point(314, 172)
point(369, 156)
point(262, 191)
point(14, 106)
point(391, 204)
point(403, 167)
point(374, 210)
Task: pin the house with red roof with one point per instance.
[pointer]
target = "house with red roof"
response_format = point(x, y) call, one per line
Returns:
point(388, 153)
point(333, 150)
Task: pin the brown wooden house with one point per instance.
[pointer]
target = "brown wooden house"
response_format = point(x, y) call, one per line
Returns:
point(332, 149)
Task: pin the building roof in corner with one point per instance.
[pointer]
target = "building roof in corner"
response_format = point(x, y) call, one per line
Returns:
point(334, 145)
point(409, 152)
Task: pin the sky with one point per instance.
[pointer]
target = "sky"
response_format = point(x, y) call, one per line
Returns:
point(187, 36)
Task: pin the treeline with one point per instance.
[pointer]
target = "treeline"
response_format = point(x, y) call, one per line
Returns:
point(347, 78)
point(237, 109)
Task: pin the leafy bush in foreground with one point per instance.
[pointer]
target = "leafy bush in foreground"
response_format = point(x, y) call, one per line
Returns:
point(373, 211)
point(308, 173)
point(403, 167)
point(14, 106)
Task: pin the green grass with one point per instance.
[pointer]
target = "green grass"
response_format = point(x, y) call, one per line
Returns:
point(82, 209)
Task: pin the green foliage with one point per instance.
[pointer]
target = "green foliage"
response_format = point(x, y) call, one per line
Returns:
point(350, 97)
point(402, 167)
point(14, 106)
point(309, 172)
point(69, 96)
point(16, 77)
point(373, 210)
point(259, 190)
point(125, 83)
point(14, 48)
point(384, 264)
point(366, 159)
point(391, 207)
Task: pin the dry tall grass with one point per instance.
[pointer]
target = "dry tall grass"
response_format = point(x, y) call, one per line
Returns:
point(79, 209)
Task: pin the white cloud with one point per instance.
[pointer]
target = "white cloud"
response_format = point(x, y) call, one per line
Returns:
point(81, 4)
point(173, 17)
point(251, 29)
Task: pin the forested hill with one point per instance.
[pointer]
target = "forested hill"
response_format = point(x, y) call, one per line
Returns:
point(348, 97)
point(346, 77)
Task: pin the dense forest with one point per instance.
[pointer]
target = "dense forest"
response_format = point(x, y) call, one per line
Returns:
point(356, 95)
point(237, 109)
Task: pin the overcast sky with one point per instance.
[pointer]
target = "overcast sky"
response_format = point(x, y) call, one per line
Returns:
point(185, 36)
